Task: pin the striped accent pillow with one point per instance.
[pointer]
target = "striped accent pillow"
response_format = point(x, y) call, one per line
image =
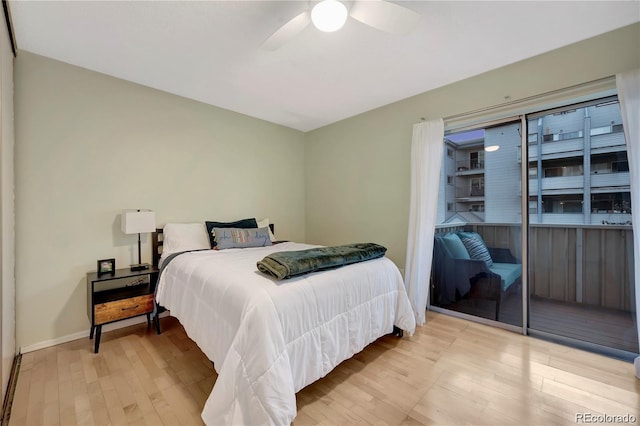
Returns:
point(241, 237)
point(476, 247)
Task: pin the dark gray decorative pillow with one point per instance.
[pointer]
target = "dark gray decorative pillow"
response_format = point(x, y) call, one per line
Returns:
point(476, 247)
point(241, 237)
point(242, 223)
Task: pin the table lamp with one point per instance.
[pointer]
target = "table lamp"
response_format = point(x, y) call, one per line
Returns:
point(136, 222)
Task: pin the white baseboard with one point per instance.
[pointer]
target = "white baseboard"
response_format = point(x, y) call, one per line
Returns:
point(84, 334)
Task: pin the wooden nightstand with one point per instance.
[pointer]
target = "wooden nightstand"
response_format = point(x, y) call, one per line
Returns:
point(125, 294)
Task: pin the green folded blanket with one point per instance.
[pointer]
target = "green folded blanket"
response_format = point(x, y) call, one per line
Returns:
point(286, 264)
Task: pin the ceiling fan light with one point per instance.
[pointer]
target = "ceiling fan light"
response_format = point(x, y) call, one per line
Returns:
point(329, 15)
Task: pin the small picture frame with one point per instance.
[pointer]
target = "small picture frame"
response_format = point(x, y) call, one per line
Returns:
point(106, 266)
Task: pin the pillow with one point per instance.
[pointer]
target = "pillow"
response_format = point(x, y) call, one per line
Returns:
point(178, 237)
point(264, 223)
point(455, 247)
point(242, 223)
point(241, 237)
point(476, 247)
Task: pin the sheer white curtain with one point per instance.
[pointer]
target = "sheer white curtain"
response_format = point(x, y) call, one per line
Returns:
point(628, 85)
point(426, 160)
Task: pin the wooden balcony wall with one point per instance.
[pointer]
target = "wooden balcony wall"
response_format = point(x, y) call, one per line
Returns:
point(589, 264)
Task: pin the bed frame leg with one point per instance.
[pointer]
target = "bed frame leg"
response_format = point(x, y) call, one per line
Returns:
point(156, 320)
point(397, 331)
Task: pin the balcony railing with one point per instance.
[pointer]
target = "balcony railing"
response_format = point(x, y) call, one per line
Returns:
point(610, 180)
point(469, 192)
point(614, 182)
point(611, 142)
point(600, 144)
point(568, 183)
point(586, 264)
point(469, 167)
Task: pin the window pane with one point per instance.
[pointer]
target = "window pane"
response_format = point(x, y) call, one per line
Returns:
point(580, 225)
point(485, 201)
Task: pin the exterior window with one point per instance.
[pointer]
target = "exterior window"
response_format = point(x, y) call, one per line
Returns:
point(476, 208)
point(477, 160)
point(562, 136)
point(477, 187)
point(450, 180)
point(619, 166)
point(613, 128)
point(553, 172)
point(575, 170)
point(449, 153)
point(615, 162)
point(600, 168)
point(562, 203)
point(449, 207)
point(619, 202)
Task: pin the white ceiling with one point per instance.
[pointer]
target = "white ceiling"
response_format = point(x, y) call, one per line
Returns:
point(210, 50)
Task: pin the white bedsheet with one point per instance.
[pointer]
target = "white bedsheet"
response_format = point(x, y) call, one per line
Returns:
point(268, 339)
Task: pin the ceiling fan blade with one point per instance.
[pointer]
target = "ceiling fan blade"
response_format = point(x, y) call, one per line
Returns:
point(386, 16)
point(287, 31)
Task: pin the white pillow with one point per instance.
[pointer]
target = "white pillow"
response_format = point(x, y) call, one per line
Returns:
point(184, 236)
point(264, 223)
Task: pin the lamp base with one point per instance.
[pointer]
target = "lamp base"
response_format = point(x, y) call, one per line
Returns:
point(140, 267)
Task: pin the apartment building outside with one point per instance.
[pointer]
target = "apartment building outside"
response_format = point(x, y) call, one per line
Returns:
point(578, 170)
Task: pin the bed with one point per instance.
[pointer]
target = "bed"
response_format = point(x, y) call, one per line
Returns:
point(267, 338)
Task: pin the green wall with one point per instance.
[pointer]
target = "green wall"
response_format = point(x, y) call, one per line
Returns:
point(89, 145)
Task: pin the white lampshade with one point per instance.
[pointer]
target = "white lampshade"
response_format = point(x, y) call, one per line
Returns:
point(138, 221)
point(329, 15)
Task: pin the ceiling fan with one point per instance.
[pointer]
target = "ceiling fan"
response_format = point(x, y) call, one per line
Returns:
point(330, 15)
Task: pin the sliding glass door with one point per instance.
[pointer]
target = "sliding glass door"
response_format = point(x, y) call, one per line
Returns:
point(562, 176)
point(478, 246)
point(581, 239)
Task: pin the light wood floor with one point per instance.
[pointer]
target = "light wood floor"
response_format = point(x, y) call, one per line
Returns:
point(451, 372)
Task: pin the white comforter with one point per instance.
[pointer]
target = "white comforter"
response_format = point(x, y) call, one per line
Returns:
point(268, 339)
